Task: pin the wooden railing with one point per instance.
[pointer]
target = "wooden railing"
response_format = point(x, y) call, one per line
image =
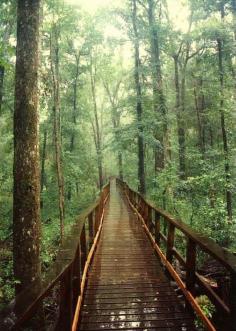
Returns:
point(155, 222)
point(54, 299)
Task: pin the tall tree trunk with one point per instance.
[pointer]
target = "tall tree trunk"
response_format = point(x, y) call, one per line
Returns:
point(182, 138)
point(57, 123)
point(180, 101)
point(115, 117)
point(74, 113)
point(163, 154)
point(120, 163)
point(5, 43)
point(100, 169)
point(180, 128)
point(199, 123)
point(116, 126)
point(233, 4)
point(74, 118)
point(2, 72)
point(43, 159)
point(26, 194)
point(96, 128)
point(141, 167)
point(224, 132)
point(199, 99)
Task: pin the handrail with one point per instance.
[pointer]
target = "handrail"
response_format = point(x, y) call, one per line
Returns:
point(64, 276)
point(152, 217)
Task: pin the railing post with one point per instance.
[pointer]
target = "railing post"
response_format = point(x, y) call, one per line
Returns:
point(97, 215)
point(83, 248)
point(157, 228)
point(233, 301)
point(66, 302)
point(145, 213)
point(91, 229)
point(191, 266)
point(132, 198)
point(128, 191)
point(100, 211)
point(149, 218)
point(76, 278)
point(138, 203)
point(102, 198)
point(170, 242)
point(136, 200)
point(141, 207)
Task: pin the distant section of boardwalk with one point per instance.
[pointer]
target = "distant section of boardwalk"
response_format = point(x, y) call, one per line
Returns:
point(126, 287)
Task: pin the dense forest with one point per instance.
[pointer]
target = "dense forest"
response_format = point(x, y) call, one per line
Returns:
point(140, 89)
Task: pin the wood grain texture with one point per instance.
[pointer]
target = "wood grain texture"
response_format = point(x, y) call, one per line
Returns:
point(126, 287)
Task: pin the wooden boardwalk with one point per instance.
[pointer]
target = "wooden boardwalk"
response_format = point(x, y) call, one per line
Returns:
point(126, 287)
point(119, 283)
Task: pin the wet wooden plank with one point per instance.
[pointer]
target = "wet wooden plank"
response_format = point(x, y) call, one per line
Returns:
point(127, 300)
point(132, 285)
point(137, 324)
point(111, 311)
point(133, 292)
point(133, 305)
point(126, 287)
point(132, 317)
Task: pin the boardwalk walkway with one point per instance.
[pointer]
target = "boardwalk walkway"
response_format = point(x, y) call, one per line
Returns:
point(126, 287)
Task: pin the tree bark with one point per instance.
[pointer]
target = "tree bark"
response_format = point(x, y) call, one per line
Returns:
point(120, 163)
point(74, 118)
point(162, 155)
point(224, 132)
point(199, 99)
point(5, 42)
point(96, 126)
point(139, 110)
point(54, 50)
point(234, 16)
point(2, 72)
point(74, 113)
point(115, 117)
point(181, 94)
point(180, 99)
point(180, 128)
point(43, 159)
point(26, 194)
point(182, 138)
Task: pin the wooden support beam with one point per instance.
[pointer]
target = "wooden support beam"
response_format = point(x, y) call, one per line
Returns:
point(91, 228)
point(191, 266)
point(157, 228)
point(76, 277)
point(170, 242)
point(83, 247)
point(66, 302)
point(149, 218)
point(97, 214)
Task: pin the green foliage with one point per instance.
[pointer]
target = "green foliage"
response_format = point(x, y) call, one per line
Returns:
point(208, 309)
point(6, 277)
